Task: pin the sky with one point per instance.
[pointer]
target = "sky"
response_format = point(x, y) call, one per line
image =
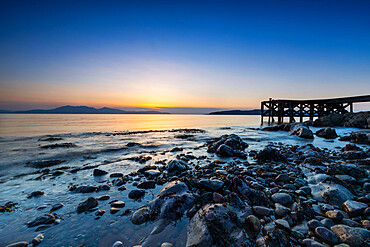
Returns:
point(181, 56)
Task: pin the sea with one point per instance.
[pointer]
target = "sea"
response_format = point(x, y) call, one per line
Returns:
point(112, 143)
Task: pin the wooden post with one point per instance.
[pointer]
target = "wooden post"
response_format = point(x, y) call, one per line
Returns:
point(290, 113)
point(351, 107)
point(262, 110)
point(301, 112)
point(311, 111)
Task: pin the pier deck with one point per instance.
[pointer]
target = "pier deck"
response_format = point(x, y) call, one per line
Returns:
point(281, 108)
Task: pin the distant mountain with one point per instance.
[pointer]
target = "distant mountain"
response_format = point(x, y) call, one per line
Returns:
point(237, 112)
point(81, 110)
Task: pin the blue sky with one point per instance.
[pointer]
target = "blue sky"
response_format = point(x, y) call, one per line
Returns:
point(181, 54)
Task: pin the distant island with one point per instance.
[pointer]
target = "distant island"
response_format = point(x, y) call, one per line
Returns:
point(237, 112)
point(80, 110)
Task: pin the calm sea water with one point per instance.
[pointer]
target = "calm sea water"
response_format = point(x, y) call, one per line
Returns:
point(24, 125)
point(102, 140)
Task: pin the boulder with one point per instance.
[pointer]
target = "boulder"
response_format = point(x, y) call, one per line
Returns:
point(328, 133)
point(90, 203)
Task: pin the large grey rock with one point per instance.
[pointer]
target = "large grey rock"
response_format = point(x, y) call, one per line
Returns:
point(303, 132)
point(354, 208)
point(90, 203)
point(282, 198)
point(352, 236)
point(214, 225)
point(211, 184)
point(176, 166)
point(328, 133)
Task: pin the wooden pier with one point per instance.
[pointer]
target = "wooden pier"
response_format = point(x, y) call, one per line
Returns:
point(291, 109)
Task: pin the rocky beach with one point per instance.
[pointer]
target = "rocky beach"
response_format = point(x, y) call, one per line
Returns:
point(298, 184)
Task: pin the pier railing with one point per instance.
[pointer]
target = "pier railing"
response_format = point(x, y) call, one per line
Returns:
point(292, 109)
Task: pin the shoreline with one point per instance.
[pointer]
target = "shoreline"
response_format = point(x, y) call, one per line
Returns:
point(200, 186)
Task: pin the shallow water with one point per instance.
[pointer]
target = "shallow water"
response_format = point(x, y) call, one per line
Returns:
point(102, 140)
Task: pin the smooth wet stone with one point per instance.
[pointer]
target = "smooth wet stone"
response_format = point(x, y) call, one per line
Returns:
point(211, 184)
point(283, 178)
point(262, 211)
point(103, 198)
point(354, 208)
point(99, 172)
point(118, 204)
point(116, 175)
point(326, 235)
point(306, 189)
point(136, 193)
point(366, 187)
point(334, 215)
point(85, 189)
point(103, 187)
point(252, 225)
point(303, 132)
point(312, 224)
point(117, 244)
point(56, 206)
point(328, 133)
point(166, 245)
point(118, 182)
point(153, 172)
point(38, 239)
point(99, 213)
point(44, 219)
point(350, 222)
point(327, 223)
point(140, 216)
point(149, 184)
point(36, 194)
point(282, 198)
point(311, 243)
point(114, 210)
point(176, 166)
point(281, 211)
point(90, 203)
point(353, 236)
point(18, 244)
point(282, 224)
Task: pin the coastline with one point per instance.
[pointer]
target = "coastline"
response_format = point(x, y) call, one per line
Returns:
point(199, 185)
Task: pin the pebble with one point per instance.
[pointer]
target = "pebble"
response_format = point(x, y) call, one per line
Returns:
point(18, 244)
point(118, 204)
point(252, 225)
point(149, 184)
point(282, 224)
point(312, 224)
point(282, 198)
point(352, 236)
point(117, 244)
point(354, 208)
point(334, 215)
point(103, 198)
point(312, 243)
point(90, 203)
point(262, 211)
point(38, 239)
point(99, 172)
point(326, 235)
point(136, 193)
point(166, 244)
point(212, 185)
point(56, 206)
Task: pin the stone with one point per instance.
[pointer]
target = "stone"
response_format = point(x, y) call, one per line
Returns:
point(366, 187)
point(283, 178)
point(353, 236)
point(140, 216)
point(36, 194)
point(303, 132)
point(212, 185)
point(218, 198)
point(103, 198)
point(149, 184)
point(312, 243)
point(153, 172)
point(327, 223)
point(99, 213)
point(44, 219)
point(328, 133)
point(118, 204)
point(281, 211)
point(326, 235)
point(136, 193)
point(282, 224)
point(313, 224)
point(99, 172)
point(56, 206)
point(262, 211)
point(176, 166)
point(18, 244)
point(334, 215)
point(117, 244)
point(114, 210)
point(354, 208)
point(90, 203)
point(252, 225)
point(103, 187)
point(282, 198)
point(38, 239)
point(166, 244)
